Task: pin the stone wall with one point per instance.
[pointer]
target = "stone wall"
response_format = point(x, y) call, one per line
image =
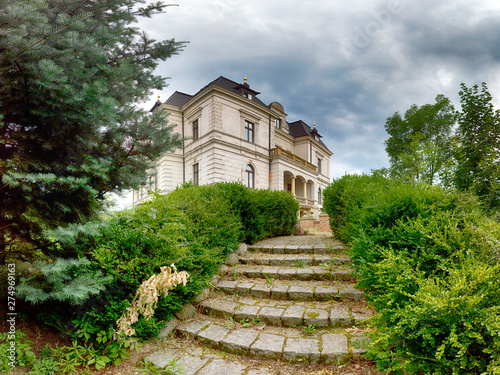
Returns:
point(323, 224)
point(308, 223)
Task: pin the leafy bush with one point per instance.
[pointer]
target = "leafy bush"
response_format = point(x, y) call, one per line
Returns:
point(347, 199)
point(427, 259)
point(262, 213)
point(194, 227)
point(15, 350)
point(451, 324)
point(70, 359)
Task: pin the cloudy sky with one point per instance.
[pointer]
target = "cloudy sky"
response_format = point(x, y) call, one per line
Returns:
point(345, 64)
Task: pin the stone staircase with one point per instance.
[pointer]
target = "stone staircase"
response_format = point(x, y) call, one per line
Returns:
point(290, 299)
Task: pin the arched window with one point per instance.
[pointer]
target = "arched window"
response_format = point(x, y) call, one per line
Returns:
point(249, 176)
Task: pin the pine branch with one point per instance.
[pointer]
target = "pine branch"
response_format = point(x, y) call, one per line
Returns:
point(60, 281)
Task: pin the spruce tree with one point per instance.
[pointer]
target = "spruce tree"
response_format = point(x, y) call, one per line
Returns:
point(73, 74)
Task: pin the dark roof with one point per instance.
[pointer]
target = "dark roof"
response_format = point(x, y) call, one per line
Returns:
point(157, 104)
point(297, 128)
point(235, 87)
point(178, 99)
point(301, 129)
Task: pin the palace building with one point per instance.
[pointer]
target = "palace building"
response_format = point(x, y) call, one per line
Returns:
point(231, 135)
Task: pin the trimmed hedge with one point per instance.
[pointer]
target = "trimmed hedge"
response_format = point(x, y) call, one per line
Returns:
point(428, 260)
point(263, 213)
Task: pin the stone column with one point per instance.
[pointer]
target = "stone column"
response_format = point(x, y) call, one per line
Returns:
point(293, 186)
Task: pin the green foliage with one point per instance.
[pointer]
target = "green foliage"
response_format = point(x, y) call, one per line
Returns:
point(418, 144)
point(65, 280)
point(263, 213)
point(72, 76)
point(194, 227)
point(423, 148)
point(213, 224)
point(452, 321)
point(478, 152)
point(107, 349)
point(72, 359)
point(309, 329)
point(428, 260)
point(172, 368)
point(23, 353)
point(347, 199)
point(276, 215)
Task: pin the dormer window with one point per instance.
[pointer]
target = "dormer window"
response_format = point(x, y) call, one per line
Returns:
point(245, 90)
point(277, 123)
point(314, 134)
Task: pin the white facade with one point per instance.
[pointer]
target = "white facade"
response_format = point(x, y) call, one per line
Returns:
point(230, 135)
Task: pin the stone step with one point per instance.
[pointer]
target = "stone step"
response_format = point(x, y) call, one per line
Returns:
point(293, 248)
point(200, 364)
point(293, 260)
point(292, 273)
point(294, 347)
point(283, 313)
point(292, 290)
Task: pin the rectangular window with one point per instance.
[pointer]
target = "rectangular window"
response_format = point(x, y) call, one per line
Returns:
point(196, 174)
point(195, 130)
point(319, 165)
point(250, 176)
point(249, 131)
point(277, 123)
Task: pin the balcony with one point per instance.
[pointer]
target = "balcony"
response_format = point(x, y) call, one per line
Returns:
point(303, 201)
point(278, 151)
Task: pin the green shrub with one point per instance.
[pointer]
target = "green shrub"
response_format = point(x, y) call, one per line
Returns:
point(212, 223)
point(262, 213)
point(449, 325)
point(15, 350)
point(427, 259)
point(349, 198)
point(194, 227)
point(275, 214)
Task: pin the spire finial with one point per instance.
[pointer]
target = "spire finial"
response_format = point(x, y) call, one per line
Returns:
point(245, 79)
point(314, 124)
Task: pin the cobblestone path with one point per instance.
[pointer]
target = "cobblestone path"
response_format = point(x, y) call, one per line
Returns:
point(282, 300)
